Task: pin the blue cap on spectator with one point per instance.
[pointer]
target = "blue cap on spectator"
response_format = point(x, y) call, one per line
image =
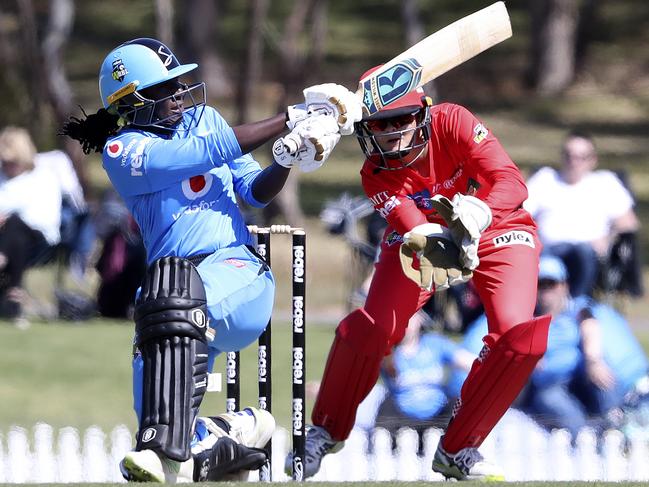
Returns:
point(552, 268)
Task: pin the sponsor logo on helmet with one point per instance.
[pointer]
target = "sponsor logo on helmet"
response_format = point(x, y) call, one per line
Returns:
point(165, 56)
point(115, 148)
point(480, 133)
point(119, 70)
point(148, 434)
point(392, 84)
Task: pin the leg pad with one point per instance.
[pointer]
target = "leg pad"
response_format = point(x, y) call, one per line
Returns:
point(495, 380)
point(170, 325)
point(350, 373)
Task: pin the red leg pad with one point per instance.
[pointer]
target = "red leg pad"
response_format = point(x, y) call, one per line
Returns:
point(351, 371)
point(495, 380)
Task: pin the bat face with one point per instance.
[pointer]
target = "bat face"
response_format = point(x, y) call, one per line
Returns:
point(390, 83)
point(434, 56)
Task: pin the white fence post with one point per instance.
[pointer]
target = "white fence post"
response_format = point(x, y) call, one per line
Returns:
point(524, 450)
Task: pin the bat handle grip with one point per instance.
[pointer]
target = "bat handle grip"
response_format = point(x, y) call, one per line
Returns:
point(292, 143)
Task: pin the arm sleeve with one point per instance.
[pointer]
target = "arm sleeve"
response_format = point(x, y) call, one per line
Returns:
point(244, 171)
point(486, 158)
point(400, 212)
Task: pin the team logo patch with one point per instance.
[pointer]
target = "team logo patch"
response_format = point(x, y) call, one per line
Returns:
point(119, 70)
point(393, 238)
point(422, 199)
point(235, 262)
point(115, 148)
point(199, 318)
point(514, 237)
point(148, 434)
point(197, 186)
point(395, 82)
point(480, 133)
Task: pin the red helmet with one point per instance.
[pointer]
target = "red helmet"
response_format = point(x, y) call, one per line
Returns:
point(414, 106)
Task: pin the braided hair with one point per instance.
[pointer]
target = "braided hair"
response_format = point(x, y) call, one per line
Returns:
point(93, 130)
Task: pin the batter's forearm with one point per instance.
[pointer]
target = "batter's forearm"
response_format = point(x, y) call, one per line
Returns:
point(252, 135)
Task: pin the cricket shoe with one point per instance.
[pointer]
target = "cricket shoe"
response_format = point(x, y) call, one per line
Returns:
point(149, 466)
point(467, 464)
point(318, 444)
point(225, 459)
point(251, 427)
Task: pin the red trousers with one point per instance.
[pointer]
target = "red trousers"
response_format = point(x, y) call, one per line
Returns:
point(505, 280)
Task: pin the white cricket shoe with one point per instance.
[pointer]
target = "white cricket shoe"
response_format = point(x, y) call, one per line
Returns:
point(149, 466)
point(318, 444)
point(467, 464)
point(251, 427)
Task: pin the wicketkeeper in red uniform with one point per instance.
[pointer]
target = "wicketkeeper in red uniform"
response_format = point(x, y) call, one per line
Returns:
point(452, 198)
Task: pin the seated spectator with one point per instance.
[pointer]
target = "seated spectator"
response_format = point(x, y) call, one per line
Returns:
point(122, 263)
point(30, 216)
point(77, 229)
point(592, 361)
point(580, 211)
point(415, 377)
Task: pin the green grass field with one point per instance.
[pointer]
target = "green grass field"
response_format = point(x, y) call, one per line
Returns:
point(79, 374)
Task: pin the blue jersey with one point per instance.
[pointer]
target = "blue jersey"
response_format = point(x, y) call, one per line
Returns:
point(182, 189)
point(418, 387)
point(622, 351)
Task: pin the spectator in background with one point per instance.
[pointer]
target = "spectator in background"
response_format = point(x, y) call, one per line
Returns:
point(579, 211)
point(122, 262)
point(77, 228)
point(415, 376)
point(30, 217)
point(592, 362)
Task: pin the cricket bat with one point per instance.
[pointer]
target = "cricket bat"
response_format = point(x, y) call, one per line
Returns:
point(429, 58)
point(435, 55)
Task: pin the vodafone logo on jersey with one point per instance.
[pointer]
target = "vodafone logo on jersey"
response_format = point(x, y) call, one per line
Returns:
point(115, 148)
point(197, 186)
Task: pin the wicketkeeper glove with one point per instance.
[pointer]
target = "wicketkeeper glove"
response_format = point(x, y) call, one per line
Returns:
point(439, 258)
point(330, 99)
point(466, 217)
point(309, 144)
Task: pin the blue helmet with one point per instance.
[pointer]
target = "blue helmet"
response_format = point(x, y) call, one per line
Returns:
point(139, 64)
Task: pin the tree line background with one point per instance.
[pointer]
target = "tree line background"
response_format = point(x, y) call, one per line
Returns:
point(257, 55)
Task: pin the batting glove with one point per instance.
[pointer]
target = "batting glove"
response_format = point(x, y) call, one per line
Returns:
point(331, 99)
point(308, 145)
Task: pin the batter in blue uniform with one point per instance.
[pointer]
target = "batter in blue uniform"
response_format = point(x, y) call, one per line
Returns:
point(180, 168)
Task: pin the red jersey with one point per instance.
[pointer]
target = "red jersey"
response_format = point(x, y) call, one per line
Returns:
point(463, 157)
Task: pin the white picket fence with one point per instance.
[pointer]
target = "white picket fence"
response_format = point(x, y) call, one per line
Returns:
point(524, 451)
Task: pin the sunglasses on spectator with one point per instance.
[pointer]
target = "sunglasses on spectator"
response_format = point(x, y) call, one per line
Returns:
point(396, 122)
point(548, 283)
